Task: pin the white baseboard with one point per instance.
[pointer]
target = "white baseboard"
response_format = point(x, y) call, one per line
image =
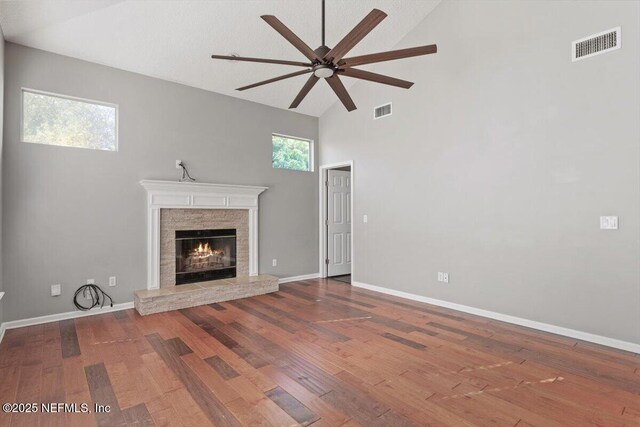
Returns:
point(296, 278)
point(585, 336)
point(61, 316)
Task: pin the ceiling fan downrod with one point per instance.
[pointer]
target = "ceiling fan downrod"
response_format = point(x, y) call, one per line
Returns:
point(322, 22)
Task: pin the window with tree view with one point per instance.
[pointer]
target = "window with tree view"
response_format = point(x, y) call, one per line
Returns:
point(70, 122)
point(292, 153)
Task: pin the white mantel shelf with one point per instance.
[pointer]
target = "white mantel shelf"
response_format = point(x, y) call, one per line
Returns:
point(202, 195)
point(196, 195)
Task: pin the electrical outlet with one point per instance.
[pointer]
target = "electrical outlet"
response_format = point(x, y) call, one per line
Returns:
point(112, 281)
point(56, 290)
point(274, 263)
point(365, 219)
point(440, 276)
point(91, 282)
point(445, 277)
point(608, 222)
point(178, 164)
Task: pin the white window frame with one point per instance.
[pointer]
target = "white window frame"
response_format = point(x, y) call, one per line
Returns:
point(311, 152)
point(72, 98)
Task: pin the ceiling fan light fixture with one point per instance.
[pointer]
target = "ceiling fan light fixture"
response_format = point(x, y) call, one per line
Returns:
point(323, 71)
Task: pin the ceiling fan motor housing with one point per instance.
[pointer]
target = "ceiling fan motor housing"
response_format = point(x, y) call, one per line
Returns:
point(322, 51)
point(326, 69)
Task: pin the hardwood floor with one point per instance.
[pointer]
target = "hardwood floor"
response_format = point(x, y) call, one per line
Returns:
point(320, 353)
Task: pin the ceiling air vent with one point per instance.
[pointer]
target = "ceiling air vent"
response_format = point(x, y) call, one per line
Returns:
point(382, 111)
point(596, 44)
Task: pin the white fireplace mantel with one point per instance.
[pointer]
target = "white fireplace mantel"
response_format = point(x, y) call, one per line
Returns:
point(196, 195)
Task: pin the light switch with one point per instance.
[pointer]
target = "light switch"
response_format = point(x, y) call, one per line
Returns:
point(56, 290)
point(365, 219)
point(608, 222)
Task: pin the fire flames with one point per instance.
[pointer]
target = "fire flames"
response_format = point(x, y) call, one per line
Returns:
point(204, 251)
point(204, 256)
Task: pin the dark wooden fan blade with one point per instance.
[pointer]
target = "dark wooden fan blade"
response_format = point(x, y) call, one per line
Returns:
point(388, 56)
point(341, 91)
point(263, 60)
point(374, 77)
point(304, 91)
point(285, 32)
point(275, 79)
point(353, 38)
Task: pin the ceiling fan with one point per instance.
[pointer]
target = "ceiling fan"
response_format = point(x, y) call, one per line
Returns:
point(330, 63)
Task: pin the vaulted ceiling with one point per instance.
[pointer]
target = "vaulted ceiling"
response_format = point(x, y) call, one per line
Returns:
point(173, 39)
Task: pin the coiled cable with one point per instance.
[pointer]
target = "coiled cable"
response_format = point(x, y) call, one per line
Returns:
point(93, 293)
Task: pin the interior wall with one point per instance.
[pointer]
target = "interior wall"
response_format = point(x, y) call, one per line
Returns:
point(72, 214)
point(1, 161)
point(496, 165)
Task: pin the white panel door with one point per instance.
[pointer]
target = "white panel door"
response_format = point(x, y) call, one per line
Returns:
point(339, 222)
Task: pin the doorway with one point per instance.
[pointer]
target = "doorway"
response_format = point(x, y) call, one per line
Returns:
point(336, 228)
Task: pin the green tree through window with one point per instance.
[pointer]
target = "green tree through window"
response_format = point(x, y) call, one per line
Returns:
point(56, 120)
point(291, 153)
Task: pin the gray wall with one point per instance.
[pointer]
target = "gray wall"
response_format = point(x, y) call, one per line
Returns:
point(72, 214)
point(497, 164)
point(1, 127)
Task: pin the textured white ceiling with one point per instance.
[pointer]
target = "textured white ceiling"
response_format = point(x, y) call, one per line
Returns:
point(173, 40)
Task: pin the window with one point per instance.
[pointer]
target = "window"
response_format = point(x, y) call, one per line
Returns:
point(69, 122)
point(292, 153)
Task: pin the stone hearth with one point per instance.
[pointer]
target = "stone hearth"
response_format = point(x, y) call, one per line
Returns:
point(183, 296)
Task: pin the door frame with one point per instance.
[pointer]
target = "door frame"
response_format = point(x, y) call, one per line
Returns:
point(322, 206)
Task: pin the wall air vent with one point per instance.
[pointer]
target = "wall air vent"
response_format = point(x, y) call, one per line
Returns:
point(382, 111)
point(596, 44)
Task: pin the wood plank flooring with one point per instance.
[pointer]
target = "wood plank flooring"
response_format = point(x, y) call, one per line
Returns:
point(319, 353)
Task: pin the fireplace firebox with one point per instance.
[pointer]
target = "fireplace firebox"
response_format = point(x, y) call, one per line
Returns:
point(203, 255)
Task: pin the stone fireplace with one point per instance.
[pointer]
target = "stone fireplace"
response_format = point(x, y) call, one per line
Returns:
point(180, 226)
point(202, 245)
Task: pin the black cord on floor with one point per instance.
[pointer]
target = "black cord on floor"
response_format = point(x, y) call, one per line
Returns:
point(93, 293)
